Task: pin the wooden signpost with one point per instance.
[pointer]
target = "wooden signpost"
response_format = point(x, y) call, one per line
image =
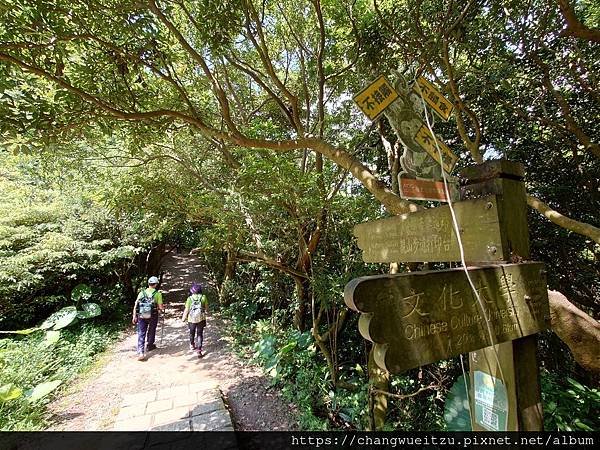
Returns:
point(429, 235)
point(512, 366)
point(421, 317)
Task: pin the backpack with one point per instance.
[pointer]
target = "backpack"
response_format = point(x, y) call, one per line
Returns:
point(146, 305)
point(197, 309)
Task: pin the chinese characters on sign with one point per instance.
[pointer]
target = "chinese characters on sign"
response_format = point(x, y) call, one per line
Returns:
point(428, 235)
point(417, 318)
point(434, 98)
point(422, 167)
point(376, 97)
point(415, 189)
point(425, 139)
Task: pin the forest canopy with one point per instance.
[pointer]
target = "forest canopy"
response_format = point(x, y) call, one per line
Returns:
point(230, 124)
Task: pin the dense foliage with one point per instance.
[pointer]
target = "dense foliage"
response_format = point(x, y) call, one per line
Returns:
point(228, 126)
point(32, 361)
point(56, 231)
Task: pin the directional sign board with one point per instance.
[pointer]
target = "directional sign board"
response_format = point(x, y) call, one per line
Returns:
point(377, 96)
point(433, 97)
point(426, 140)
point(419, 189)
point(421, 317)
point(428, 235)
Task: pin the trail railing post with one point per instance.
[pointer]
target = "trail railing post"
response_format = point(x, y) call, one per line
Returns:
point(514, 364)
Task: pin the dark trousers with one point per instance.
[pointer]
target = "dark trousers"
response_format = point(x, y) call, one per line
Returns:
point(197, 333)
point(146, 326)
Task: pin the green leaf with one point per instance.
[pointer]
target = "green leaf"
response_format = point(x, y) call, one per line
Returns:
point(287, 348)
point(89, 310)
point(41, 390)
point(47, 324)
point(65, 317)
point(345, 417)
point(582, 426)
point(8, 392)
point(576, 384)
point(26, 331)
point(58, 315)
point(52, 338)
point(456, 409)
point(81, 291)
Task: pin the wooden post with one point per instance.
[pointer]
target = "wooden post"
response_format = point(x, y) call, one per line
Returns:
point(514, 363)
point(378, 379)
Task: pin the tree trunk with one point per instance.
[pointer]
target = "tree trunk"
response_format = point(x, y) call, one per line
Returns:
point(154, 259)
point(576, 329)
point(230, 266)
point(302, 289)
point(328, 358)
point(128, 288)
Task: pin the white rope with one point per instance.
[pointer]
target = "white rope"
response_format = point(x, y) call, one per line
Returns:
point(458, 237)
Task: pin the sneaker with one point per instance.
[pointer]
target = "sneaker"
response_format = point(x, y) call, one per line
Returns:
point(141, 357)
point(192, 347)
point(199, 351)
point(150, 347)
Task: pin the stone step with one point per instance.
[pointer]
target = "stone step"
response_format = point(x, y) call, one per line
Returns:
point(189, 407)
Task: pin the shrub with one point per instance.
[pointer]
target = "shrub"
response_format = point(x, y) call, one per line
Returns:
point(31, 360)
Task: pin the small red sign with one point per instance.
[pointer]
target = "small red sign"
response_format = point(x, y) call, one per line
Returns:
point(413, 189)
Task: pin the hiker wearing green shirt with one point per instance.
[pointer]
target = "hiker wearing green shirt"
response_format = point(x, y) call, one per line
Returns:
point(145, 314)
point(196, 308)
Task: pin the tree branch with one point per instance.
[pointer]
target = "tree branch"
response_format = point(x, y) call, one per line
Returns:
point(471, 144)
point(404, 396)
point(161, 113)
point(574, 27)
point(253, 257)
point(392, 202)
point(221, 97)
point(256, 76)
point(565, 108)
point(263, 51)
point(585, 229)
point(320, 72)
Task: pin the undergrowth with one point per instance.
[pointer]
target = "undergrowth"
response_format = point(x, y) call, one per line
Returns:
point(292, 361)
point(569, 405)
point(300, 373)
point(295, 367)
point(27, 361)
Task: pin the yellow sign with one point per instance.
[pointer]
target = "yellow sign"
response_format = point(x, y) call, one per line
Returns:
point(426, 140)
point(434, 98)
point(373, 99)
